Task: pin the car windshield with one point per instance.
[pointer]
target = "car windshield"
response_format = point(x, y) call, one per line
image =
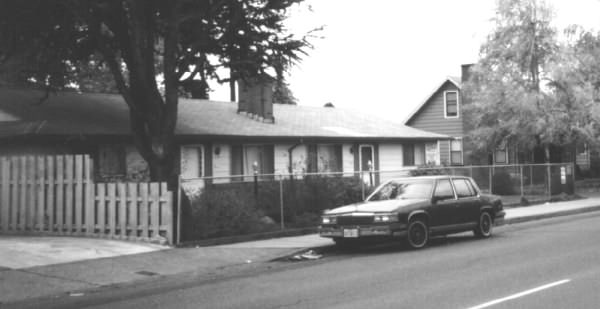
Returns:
point(403, 189)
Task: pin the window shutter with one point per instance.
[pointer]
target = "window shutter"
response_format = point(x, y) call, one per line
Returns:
point(268, 159)
point(312, 158)
point(338, 158)
point(408, 153)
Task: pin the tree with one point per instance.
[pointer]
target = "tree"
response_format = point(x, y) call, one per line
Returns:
point(575, 82)
point(138, 40)
point(508, 98)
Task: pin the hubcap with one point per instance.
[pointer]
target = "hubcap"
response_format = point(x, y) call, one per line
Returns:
point(485, 224)
point(418, 235)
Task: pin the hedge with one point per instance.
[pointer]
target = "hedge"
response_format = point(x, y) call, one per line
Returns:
point(234, 209)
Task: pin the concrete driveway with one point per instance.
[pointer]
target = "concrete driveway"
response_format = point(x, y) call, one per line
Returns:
point(18, 252)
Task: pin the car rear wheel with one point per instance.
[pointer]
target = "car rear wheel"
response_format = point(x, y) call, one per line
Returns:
point(484, 225)
point(417, 234)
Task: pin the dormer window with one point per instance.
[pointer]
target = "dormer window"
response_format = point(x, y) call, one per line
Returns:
point(450, 104)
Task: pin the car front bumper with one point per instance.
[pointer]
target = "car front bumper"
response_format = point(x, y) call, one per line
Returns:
point(358, 231)
point(499, 218)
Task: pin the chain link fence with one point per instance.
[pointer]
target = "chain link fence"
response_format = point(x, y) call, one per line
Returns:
point(213, 207)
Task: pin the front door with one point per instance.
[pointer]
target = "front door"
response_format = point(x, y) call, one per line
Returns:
point(367, 163)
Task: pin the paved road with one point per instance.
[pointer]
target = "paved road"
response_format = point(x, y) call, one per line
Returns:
point(546, 264)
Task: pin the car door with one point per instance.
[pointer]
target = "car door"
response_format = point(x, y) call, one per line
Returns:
point(467, 205)
point(443, 210)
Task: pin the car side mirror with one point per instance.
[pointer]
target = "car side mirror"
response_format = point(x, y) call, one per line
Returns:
point(435, 199)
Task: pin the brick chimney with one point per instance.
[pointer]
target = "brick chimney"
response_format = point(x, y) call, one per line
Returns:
point(255, 99)
point(465, 72)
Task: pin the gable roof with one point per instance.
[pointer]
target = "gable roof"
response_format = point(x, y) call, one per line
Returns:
point(452, 79)
point(69, 113)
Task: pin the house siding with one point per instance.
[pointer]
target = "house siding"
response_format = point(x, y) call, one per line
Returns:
point(391, 161)
point(431, 116)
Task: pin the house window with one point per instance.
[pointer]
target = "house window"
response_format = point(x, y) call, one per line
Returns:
point(431, 153)
point(501, 156)
point(451, 104)
point(420, 154)
point(192, 161)
point(111, 160)
point(245, 158)
point(329, 158)
point(456, 152)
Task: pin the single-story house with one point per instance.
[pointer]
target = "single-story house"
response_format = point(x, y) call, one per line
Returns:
point(216, 139)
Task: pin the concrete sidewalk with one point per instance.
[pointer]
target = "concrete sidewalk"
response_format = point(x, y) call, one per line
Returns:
point(44, 266)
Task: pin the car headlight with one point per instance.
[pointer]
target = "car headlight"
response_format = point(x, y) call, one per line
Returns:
point(329, 220)
point(386, 218)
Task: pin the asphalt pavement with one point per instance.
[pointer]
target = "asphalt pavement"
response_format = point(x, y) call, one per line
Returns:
point(65, 271)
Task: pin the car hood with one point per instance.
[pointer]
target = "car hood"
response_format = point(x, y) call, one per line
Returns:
point(379, 206)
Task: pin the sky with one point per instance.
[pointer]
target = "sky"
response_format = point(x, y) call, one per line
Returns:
point(385, 57)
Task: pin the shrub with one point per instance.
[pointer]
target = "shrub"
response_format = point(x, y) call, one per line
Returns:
point(502, 184)
point(427, 170)
point(234, 209)
point(218, 213)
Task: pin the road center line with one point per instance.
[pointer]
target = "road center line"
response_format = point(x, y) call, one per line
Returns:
point(500, 300)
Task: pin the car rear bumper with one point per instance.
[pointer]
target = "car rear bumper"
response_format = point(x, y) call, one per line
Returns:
point(499, 218)
point(392, 230)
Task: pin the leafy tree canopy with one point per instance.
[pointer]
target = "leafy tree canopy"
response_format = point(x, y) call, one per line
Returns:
point(528, 88)
point(126, 44)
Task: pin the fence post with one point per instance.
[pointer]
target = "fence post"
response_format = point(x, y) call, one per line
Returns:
point(362, 183)
point(370, 173)
point(490, 180)
point(521, 175)
point(574, 178)
point(4, 203)
point(178, 209)
point(255, 167)
point(281, 201)
point(549, 173)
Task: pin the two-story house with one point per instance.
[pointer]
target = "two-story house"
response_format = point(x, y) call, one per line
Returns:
point(441, 112)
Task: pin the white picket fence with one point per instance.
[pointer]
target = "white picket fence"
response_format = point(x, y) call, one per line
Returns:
point(56, 195)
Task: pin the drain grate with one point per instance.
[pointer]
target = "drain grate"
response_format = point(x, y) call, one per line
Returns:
point(146, 273)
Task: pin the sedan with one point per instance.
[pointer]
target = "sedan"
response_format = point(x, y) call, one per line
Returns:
point(413, 209)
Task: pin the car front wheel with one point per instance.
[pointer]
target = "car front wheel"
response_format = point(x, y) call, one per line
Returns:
point(484, 225)
point(417, 234)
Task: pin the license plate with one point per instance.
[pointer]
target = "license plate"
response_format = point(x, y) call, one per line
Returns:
point(351, 233)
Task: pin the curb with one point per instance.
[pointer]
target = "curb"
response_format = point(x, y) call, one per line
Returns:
point(551, 215)
point(249, 237)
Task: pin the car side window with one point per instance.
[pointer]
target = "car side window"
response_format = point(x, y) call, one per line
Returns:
point(443, 190)
point(463, 188)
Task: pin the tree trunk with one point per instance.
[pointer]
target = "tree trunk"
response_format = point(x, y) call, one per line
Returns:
point(232, 96)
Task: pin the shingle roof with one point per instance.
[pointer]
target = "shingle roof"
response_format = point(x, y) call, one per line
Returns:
point(107, 114)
